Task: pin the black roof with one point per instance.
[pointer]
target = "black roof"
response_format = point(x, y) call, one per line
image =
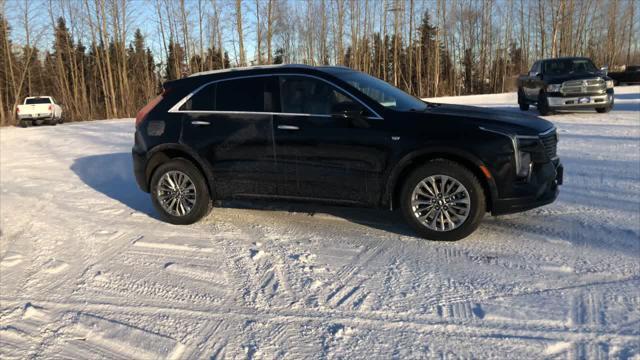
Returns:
point(253, 70)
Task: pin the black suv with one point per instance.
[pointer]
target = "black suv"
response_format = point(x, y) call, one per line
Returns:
point(340, 136)
point(568, 83)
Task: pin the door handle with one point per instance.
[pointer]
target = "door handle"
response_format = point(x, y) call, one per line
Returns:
point(200, 123)
point(288, 127)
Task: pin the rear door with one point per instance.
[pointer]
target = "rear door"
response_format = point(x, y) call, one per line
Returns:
point(230, 124)
point(323, 156)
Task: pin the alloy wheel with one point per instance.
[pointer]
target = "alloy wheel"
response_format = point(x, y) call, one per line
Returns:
point(440, 203)
point(176, 193)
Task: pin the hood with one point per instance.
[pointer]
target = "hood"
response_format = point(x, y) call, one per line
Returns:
point(516, 123)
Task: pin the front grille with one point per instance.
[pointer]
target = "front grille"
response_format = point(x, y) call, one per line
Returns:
point(589, 86)
point(550, 142)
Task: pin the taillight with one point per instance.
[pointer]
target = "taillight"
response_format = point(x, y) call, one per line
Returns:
point(17, 110)
point(142, 114)
point(50, 107)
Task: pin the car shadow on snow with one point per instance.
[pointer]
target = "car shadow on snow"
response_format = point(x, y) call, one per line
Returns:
point(381, 219)
point(628, 96)
point(112, 175)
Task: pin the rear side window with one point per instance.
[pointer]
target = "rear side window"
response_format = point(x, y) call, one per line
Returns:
point(246, 95)
point(38, 101)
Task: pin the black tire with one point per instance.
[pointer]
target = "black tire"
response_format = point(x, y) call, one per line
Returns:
point(522, 102)
point(25, 123)
point(52, 122)
point(60, 120)
point(203, 202)
point(543, 104)
point(477, 206)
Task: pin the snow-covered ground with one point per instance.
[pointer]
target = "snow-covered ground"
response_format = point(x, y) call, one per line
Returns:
point(87, 270)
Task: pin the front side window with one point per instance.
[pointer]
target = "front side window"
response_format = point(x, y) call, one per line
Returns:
point(254, 94)
point(306, 95)
point(382, 92)
point(536, 67)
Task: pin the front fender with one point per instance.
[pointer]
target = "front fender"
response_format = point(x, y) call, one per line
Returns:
point(416, 157)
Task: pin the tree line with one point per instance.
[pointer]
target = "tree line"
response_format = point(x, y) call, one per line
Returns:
point(107, 58)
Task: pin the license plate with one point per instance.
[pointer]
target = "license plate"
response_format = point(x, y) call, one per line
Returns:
point(584, 100)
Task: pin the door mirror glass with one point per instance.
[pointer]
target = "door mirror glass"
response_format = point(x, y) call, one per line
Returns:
point(534, 74)
point(604, 70)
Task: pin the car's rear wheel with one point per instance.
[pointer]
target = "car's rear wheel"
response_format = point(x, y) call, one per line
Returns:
point(522, 102)
point(443, 200)
point(543, 104)
point(179, 192)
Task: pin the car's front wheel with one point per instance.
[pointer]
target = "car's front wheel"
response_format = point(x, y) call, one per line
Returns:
point(179, 192)
point(443, 200)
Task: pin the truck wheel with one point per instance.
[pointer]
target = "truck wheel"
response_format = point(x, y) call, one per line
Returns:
point(443, 200)
point(25, 123)
point(60, 120)
point(52, 122)
point(543, 104)
point(522, 102)
point(179, 192)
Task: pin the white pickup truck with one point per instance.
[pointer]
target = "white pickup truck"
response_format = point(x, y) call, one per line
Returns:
point(39, 109)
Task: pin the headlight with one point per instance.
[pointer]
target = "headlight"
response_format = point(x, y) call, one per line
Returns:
point(554, 87)
point(609, 84)
point(523, 156)
point(524, 164)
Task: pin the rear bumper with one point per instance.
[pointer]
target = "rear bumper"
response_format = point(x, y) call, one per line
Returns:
point(139, 167)
point(35, 116)
point(542, 193)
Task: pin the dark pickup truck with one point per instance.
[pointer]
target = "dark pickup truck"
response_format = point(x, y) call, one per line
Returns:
point(565, 84)
point(630, 75)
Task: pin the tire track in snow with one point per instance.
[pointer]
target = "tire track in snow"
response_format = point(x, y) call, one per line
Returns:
point(381, 321)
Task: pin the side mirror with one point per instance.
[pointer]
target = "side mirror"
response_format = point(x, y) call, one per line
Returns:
point(346, 110)
point(604, 70)
point(534, 74)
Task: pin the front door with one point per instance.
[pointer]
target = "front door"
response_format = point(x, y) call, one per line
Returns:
point(322, 155)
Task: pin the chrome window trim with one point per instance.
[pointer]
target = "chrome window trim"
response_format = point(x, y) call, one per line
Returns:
point(176, 108)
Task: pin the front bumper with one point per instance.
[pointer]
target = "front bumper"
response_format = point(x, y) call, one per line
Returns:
point(544, 191)
point(557, 101)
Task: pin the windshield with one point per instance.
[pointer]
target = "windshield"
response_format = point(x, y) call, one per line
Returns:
point(383, 93)
point(564, 66)
point(37, 101)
